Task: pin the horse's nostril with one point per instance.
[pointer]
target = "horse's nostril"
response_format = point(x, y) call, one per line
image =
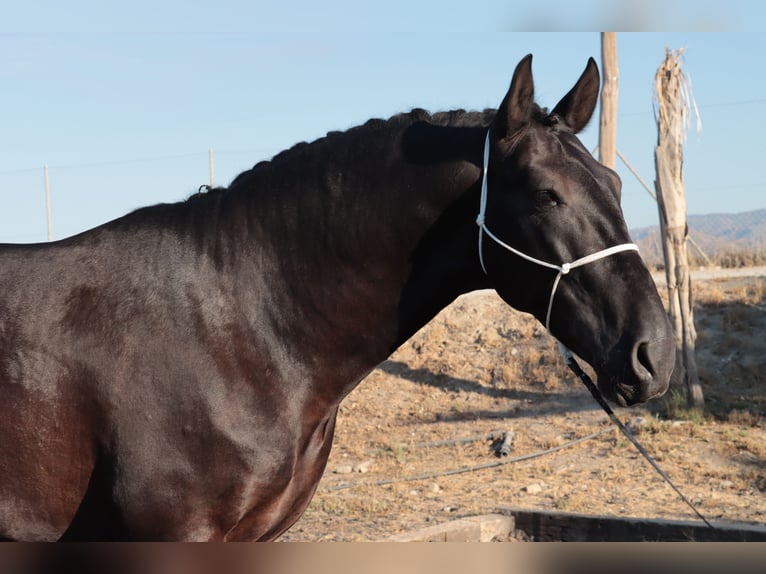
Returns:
point(642, 361)
point(652, 363)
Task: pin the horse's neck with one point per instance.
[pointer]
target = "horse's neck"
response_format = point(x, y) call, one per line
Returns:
point(360, 267)
point(445, 265)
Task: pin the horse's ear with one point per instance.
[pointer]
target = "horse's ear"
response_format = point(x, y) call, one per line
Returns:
point(576, 108)
point(517, 104)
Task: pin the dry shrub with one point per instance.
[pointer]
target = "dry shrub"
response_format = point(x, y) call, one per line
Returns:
point(712, 294)
point(674, 406)
point(742, 257)
point(744, 418)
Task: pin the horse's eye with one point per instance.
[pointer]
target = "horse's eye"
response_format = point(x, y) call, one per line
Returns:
point(547, 198)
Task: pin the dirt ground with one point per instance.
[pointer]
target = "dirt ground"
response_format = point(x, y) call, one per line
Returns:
point(481, 368)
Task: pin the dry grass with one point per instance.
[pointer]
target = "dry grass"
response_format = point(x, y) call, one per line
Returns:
point(731, 258)
point(480, 367)
point(731, 348)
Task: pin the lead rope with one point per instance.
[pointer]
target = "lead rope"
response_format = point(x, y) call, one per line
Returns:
point(563, 269)
point(583, 376)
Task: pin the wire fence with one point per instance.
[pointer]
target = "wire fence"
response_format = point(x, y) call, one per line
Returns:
point(59, 200)
point(77, 197)
point(719, 239)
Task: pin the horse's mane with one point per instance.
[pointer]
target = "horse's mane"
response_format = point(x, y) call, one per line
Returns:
point(454, 118)
point(394, 124)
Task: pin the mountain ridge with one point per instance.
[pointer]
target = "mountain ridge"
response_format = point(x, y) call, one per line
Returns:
point(724, 238)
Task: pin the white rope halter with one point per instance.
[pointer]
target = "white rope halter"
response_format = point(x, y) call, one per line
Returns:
point(562, 269)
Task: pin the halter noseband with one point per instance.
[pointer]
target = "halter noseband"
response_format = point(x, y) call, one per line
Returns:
point(562, 269)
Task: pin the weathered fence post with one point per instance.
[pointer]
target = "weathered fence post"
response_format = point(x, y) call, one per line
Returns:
point(607, 133)
point(674, 102)
point(211, 165)
point(48, 202)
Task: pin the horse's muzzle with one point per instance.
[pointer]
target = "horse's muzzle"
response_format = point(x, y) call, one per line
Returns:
point(645, 376)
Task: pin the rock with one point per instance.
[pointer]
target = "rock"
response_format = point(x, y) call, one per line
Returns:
point(343, 469)
point(472, 529)
point(362, 467)
point(636, 424)
point(533, 489)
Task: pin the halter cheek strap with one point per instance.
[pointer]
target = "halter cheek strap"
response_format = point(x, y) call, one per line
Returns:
point(562, 269)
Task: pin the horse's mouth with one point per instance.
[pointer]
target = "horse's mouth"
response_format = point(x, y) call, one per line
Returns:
point(616, 395)
point(622, 400)
point(624, 395)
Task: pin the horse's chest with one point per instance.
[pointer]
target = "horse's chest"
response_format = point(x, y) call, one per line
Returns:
point(274, 507)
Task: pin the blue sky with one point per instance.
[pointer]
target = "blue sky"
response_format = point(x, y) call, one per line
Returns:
point(123, 103)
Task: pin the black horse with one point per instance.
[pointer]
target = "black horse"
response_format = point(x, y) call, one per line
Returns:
point(175, 374)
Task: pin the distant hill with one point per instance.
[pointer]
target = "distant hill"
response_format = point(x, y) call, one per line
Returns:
point(728, 239)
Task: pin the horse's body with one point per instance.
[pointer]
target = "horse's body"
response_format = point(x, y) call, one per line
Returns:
point(176, 373)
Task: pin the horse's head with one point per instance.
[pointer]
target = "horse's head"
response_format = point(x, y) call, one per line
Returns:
point(550, 214)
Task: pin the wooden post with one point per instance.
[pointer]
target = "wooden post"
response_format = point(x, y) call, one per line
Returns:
point(212, 169)
point(607, 133)
point(48, 203)
point(674, 100)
